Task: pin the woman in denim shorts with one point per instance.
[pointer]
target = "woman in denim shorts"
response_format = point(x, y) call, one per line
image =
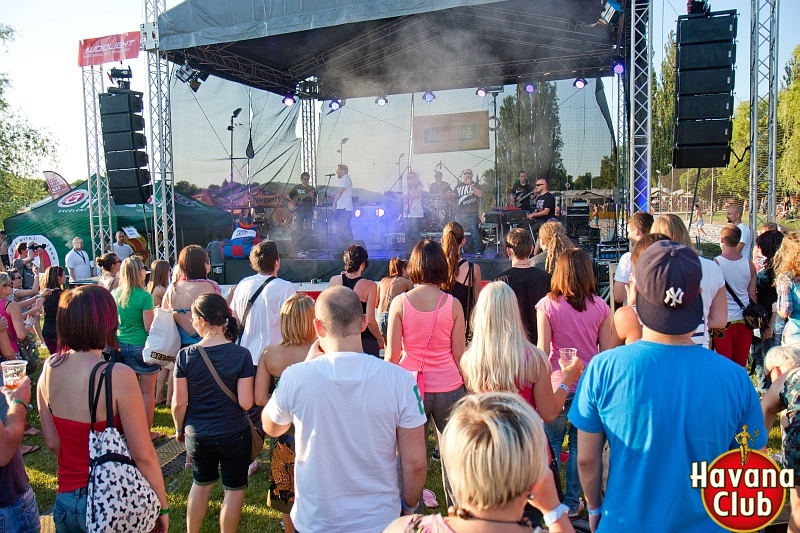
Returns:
point(135, 308)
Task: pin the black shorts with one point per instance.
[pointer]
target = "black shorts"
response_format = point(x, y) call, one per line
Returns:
point(231, 453)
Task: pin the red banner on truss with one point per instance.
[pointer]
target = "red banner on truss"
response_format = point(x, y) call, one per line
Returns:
point(108, 49)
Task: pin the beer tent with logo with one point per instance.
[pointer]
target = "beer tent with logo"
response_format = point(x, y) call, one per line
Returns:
point(68, 216)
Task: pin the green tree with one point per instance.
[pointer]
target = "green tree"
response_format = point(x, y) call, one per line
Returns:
point(734, 180)
point(187, 189)
point(789, 126)
point(663, 111)
point(22, 149)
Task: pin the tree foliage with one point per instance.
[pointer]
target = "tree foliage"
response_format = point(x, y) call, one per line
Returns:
point(663, 111)
point(187, 189)
point(22, 149)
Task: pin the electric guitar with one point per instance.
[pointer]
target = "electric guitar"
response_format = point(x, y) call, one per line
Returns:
point(518, 199)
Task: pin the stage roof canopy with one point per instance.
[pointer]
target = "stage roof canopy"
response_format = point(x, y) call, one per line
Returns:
point(357, 48)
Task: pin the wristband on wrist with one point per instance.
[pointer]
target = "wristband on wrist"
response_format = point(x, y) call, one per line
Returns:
point(595, 512)
point(551, 517)
point(163, 511)
point(562, 386)
point(23, 404)
point(406, 508)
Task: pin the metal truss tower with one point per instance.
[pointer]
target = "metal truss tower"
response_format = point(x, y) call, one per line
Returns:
point(99, 200)
point(640, 72)
point(763, 110)
point(622, 155)
point(309, 142)
point(158, 77)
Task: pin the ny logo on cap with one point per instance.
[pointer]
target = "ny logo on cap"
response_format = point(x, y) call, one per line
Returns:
point(674, 297)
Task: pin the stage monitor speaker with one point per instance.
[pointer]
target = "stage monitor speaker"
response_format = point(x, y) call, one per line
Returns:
point(125, 102)
point(701, 156)
point(130, 186)
point(706, 55)
point(718, 26)
point(113, 142)
point(121, 122)
point(703, 132)
point(711, 81)
point(705, 106)
point(125, 159)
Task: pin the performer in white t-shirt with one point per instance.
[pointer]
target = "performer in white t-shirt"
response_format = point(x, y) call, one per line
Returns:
point(343, 210)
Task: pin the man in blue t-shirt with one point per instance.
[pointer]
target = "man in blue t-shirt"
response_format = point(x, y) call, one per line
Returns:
point(662, 402)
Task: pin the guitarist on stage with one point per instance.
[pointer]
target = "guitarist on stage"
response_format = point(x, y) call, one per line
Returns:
point(521, 194)
point(303, 196)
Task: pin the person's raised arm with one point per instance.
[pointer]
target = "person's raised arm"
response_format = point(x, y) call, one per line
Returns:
point(414, 461)
point(590, 470)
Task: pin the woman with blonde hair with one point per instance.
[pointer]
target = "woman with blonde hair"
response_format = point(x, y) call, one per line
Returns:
point(572, 316)
point(496, 446)
point(463, 277)
point(787, 270)
point(109, 266)
point(135, 308)
point(297, 336)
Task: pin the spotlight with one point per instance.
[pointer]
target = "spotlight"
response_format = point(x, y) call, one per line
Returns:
point(579, 83)
point(336, 104)
point(185, 73)
point(481, 92)
point(428, 97)
point(618, 67)
point(357, 213)
point(382, 100)
point(530, 87)
point(289, 100)
point(612, 11)
point(380, 212)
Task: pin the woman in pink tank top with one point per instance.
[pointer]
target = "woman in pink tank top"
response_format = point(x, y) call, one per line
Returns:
point(426, 333)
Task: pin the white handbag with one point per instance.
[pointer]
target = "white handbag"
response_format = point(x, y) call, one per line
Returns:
point(163, 341)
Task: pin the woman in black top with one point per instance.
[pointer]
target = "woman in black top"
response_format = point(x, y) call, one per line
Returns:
point(55, 277)
point(464, 277)
point(767, 245)
point(355, 261)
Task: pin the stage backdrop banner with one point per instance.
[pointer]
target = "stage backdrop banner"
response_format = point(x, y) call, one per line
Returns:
point(455, 132)
point(108, 49)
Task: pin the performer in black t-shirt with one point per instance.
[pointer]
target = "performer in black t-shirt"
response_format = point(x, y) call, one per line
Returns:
point(544, 207)
point(303, 196)
point(439, 188)
point(522, 192)
point(467, 195)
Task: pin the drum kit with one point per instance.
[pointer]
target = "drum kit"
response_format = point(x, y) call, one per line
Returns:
point(438, 211)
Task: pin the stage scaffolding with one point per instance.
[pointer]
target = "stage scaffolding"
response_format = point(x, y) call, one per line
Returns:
point(763, 110)
point(640, 76)
point(99, 201)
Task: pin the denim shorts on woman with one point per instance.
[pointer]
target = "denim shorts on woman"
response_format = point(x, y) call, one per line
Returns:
point(69, 511)
point(132, 356)
point(231, 453)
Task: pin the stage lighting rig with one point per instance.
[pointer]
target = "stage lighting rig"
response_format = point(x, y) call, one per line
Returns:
point(618, 66)
point(382, 100)
point(530, 87)
point(579, 83)
point(481, 92)
point(289, 100)
point(336, 104)
point(121, 76)
point(428, 97)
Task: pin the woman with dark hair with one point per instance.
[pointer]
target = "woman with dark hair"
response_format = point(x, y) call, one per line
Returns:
point(356, 261)
point(463, 277)
point(215, 429)
point(426, 334)
point(86, 323)
point(109, 265)
point(55, 278)
point(135, 308)
point(157, 287)
point(394, 284)
point(297, 336)
point(767, 245)
point(572, 316)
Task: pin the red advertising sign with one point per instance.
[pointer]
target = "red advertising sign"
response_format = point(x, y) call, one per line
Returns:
point(108, 49)
point(57, 185)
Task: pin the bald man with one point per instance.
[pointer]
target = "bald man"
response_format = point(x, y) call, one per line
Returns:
point(745, 246)
point(340, 399)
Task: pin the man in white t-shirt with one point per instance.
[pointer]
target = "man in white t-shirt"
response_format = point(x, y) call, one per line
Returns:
point(343, 210)
point(262, 324)
point(122, 250)
point(639, 225)
point(352, 415)
point(77, 261)
point(746, 242)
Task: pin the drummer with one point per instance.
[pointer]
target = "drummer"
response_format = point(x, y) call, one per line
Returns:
point(439, 188)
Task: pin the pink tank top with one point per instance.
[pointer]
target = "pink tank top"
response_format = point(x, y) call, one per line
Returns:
point(440, 370)
point(12, 333)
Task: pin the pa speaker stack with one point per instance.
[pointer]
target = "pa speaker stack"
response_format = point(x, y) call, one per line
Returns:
point(126, 162)
point(705, 60)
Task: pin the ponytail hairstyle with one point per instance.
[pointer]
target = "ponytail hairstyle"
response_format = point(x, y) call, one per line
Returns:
point(452, 238)
point(214, 309)
point(396, 267)
point(107, 261)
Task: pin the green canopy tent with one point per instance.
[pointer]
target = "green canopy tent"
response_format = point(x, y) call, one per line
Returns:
point(58, 221)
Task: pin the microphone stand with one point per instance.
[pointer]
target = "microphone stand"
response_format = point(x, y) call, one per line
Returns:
point(327, 222)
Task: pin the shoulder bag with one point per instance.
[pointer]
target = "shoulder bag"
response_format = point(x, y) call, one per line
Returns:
point(418, 375)
point(119, 497)
point(250, 305)
point(257, 439)
point(163, 340)
point(755, 315)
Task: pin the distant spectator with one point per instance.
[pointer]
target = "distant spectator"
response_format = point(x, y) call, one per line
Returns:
point(745, 246)
point(55, 278)
point(787, 269)
point(638, 225)
point(395, 284)
point(109, 270)
point(120, 248)
point(25, 265)
point(216, 256)
point(77, 262)
point(767, 245)
point(4, 250)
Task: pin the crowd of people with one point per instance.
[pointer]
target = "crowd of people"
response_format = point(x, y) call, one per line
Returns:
point(514, 374)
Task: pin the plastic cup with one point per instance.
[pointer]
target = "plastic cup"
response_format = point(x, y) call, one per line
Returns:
point(13, 372)
point(567, 355)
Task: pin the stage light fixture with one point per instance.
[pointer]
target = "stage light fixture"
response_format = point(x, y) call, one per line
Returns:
point(481, 91)
point(185, 73)
point(289, 100)
point(357, 213)
point(530, 87)
point(428, 96)
point(379, 212)
point(579, 83)
point(382, 100)
point(612, 11)
point(618, 67)
point(336, 104)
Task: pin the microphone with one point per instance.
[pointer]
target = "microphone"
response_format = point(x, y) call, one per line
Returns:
point(330, 175)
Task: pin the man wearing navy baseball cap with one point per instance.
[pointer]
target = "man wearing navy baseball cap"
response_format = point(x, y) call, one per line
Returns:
point(662, 403)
